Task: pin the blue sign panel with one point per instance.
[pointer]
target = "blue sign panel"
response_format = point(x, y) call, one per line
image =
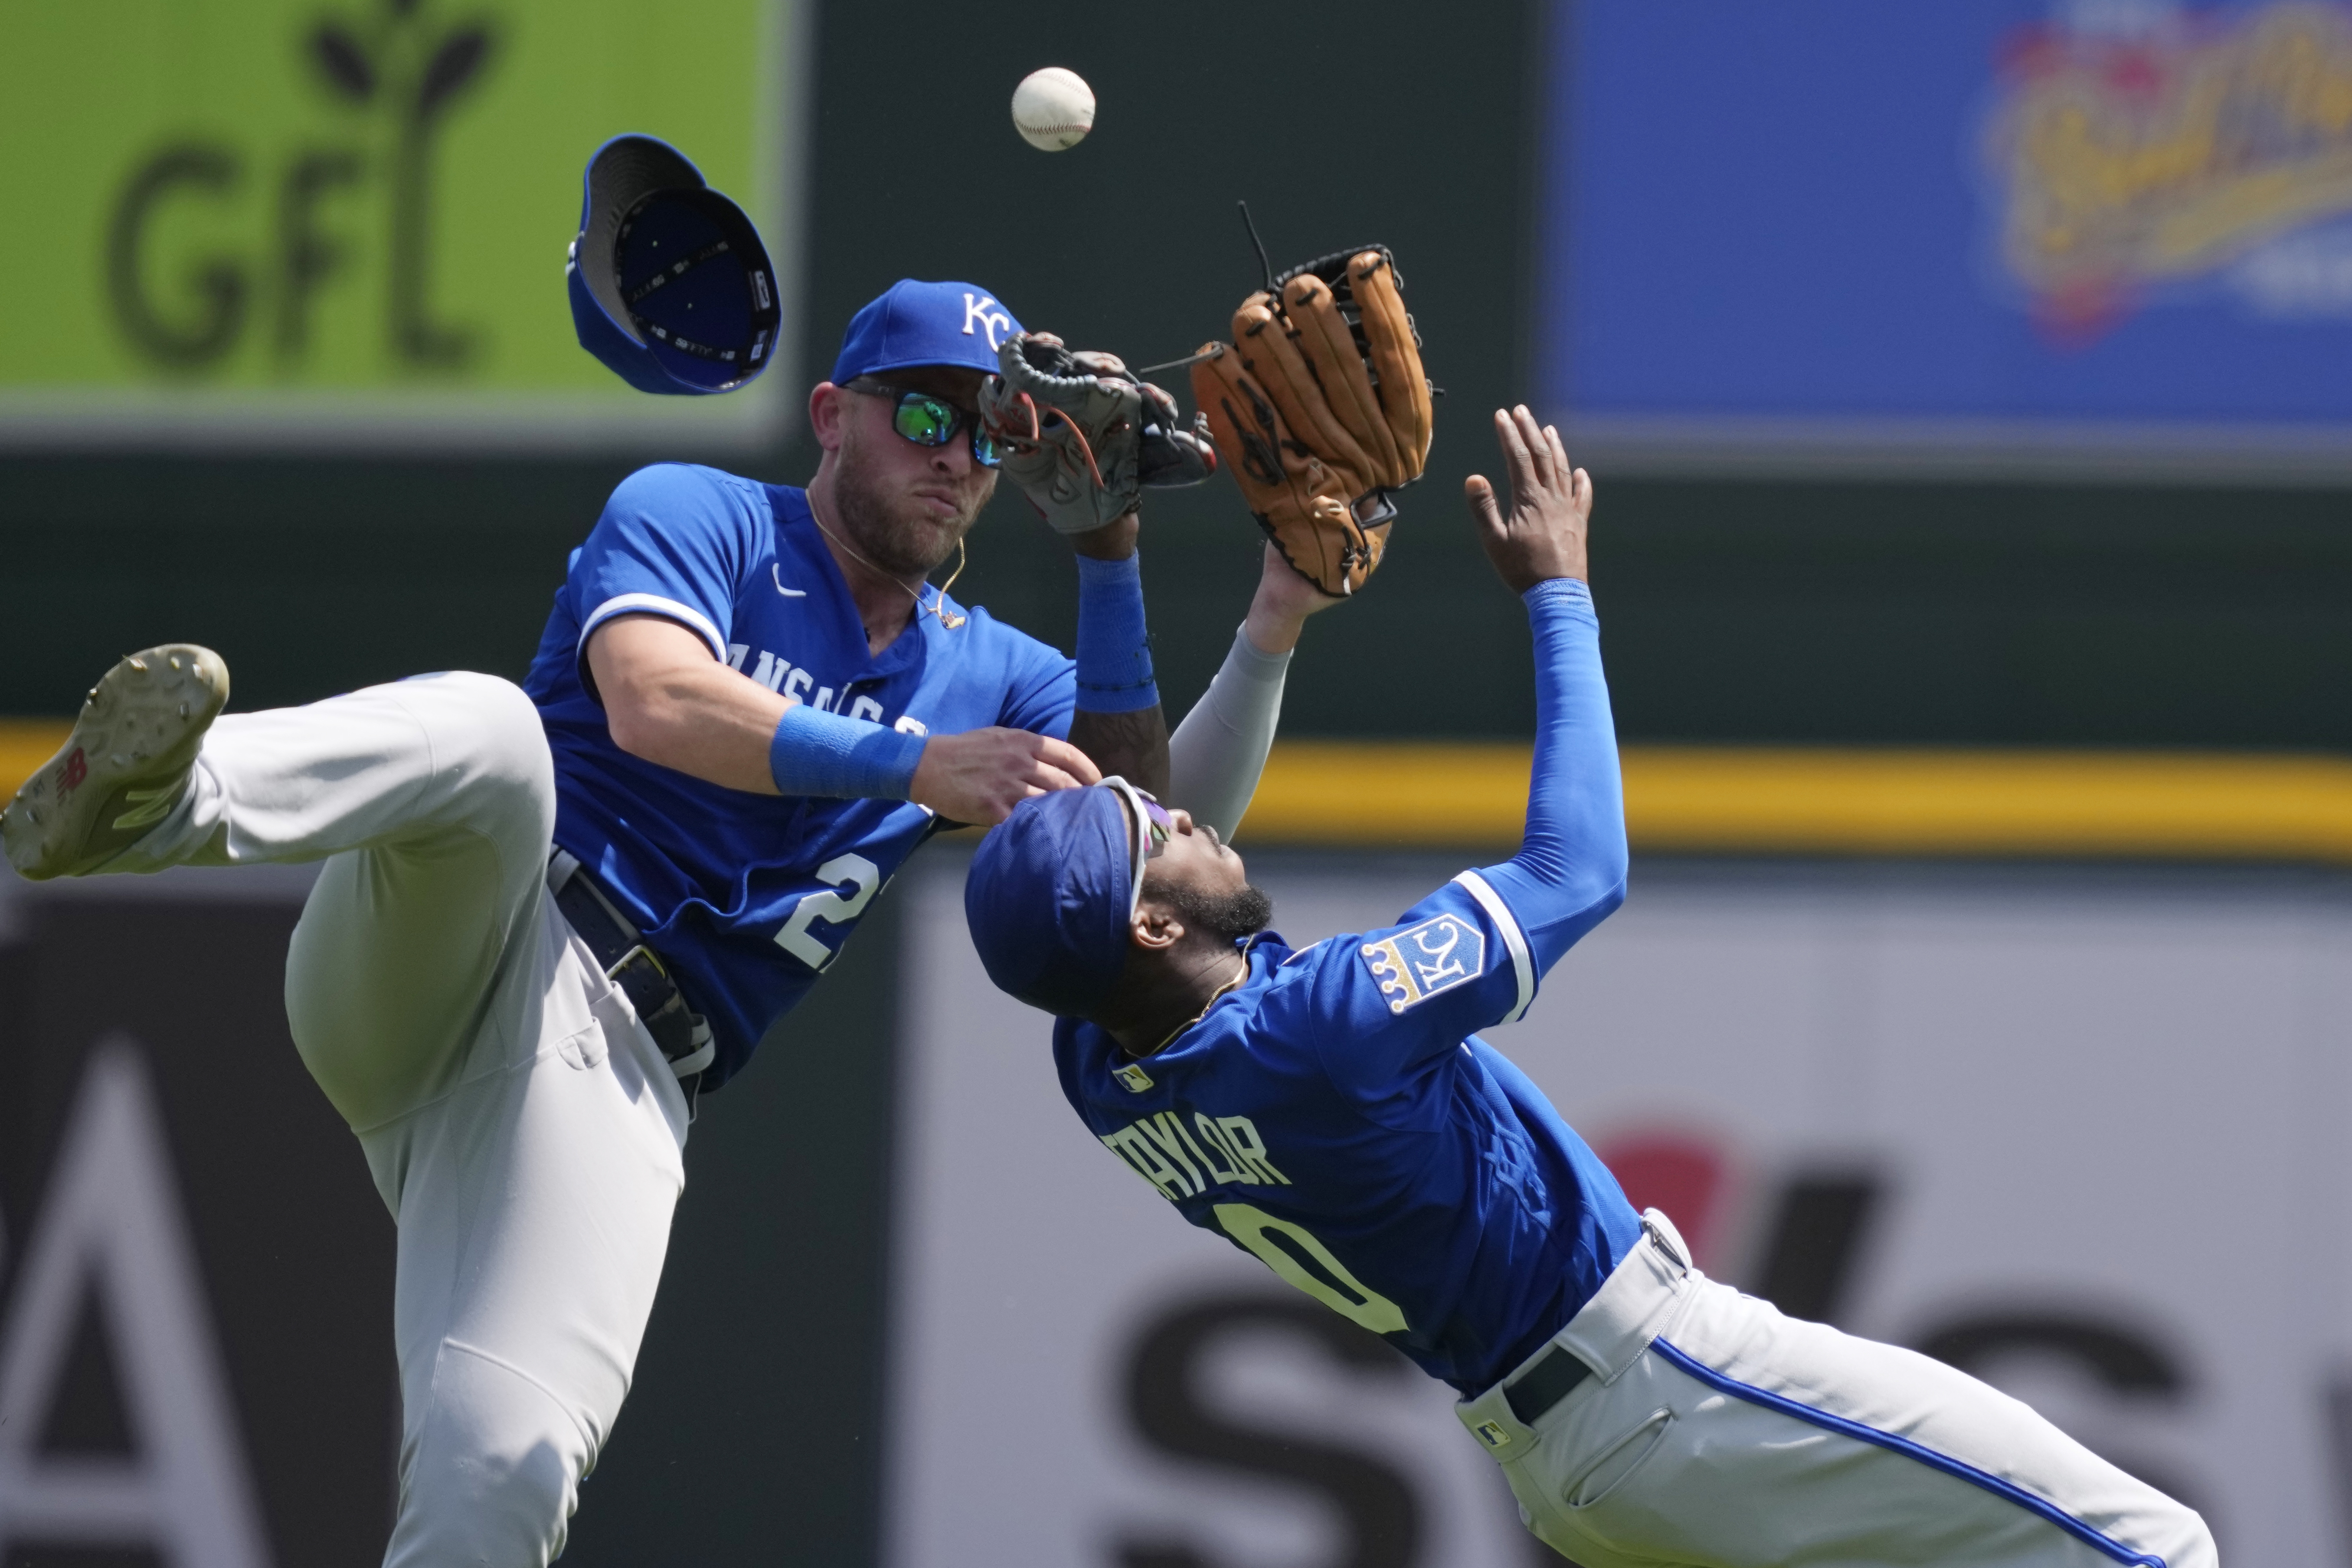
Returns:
point(1819, 231)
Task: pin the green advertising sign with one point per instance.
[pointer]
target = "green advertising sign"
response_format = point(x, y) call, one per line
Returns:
point(345, 221)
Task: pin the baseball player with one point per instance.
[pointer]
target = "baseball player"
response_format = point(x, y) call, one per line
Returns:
point(550, 916)
point(1331, 1110)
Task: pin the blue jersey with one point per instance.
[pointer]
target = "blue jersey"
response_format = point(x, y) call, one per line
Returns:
point(1335, 1116)
point(747, 897)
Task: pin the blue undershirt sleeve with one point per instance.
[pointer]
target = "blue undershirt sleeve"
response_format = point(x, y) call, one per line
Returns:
point(821, 753)
point(1569, 872)
point(1389, 1002)
point(1114, 649)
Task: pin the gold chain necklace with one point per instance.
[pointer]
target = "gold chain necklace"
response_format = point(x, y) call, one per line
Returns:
point(938, 607)
point(1214, 997)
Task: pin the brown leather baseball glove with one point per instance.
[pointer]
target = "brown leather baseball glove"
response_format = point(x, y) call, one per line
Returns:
point(1320, 408)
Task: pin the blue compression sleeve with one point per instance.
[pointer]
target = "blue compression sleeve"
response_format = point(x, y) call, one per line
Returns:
point(1114, 650)
point(817, 753)
point(1569, 872)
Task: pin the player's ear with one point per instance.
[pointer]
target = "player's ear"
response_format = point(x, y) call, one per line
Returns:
point(1154, 929)
point(826, 407)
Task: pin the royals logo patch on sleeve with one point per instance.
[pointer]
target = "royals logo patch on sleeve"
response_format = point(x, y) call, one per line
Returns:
point(1419, 962)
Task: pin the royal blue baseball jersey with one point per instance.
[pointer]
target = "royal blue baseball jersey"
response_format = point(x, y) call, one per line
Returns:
point(1337, 1116)
point(748, 896)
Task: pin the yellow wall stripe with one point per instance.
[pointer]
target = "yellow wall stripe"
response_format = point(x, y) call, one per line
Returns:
point(1776, 800)
point(25, 744)
point(1368, 794)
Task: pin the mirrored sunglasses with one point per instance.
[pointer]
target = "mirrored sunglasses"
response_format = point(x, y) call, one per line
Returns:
point(1158, 826)
point(929, 421)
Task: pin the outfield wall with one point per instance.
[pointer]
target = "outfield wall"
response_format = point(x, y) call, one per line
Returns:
point(2079, 1129)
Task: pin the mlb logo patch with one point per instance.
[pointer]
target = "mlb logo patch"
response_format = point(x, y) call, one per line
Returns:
point(1492, 1435)
point(1419, 962)
point(1135, 1080)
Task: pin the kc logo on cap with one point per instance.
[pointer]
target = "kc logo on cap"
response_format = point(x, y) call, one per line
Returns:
point(913, 323)
point(989, 314)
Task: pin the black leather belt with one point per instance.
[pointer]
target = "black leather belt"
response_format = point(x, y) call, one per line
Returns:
point(682, 1034)
point(1546, 1382)
point(1557, 1376)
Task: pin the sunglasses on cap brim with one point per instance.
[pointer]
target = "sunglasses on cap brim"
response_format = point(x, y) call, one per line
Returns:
point(1152, 827)
point(929, 420)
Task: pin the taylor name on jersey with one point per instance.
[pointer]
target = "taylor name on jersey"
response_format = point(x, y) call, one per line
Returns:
point(1218, 1150)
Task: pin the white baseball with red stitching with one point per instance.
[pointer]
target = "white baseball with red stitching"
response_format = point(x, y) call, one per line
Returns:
point(1053, 109)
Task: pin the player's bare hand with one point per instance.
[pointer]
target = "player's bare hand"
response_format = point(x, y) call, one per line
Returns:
point(1284, 601)
point(1542, 535)
point(981, 775)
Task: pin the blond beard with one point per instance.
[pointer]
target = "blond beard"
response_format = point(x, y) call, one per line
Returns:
point(903, 540)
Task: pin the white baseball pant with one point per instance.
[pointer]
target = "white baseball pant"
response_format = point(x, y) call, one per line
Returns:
point(1715, 1431)
point(522, 1125)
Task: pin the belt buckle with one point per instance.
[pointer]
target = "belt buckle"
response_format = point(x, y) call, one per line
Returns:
point(640, 950)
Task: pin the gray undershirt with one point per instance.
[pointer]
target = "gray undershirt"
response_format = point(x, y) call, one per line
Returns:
point(1216, 754)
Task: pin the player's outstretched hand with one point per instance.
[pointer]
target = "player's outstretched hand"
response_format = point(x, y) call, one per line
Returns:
point(981, 775)
point(1542, 535)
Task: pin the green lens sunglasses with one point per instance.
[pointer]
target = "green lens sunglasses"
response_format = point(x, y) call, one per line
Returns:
point(929, 421)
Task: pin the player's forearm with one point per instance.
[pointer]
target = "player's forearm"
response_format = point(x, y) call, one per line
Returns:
point(1134, 745)
point(1119, 722)
point(703, 719)
point(668, 703)
point(1569, 872)
point(1218, 753)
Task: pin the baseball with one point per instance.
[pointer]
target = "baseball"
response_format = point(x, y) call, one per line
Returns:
point(1053, 109)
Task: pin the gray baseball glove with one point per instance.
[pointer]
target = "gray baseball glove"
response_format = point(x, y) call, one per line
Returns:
point(1083, 437)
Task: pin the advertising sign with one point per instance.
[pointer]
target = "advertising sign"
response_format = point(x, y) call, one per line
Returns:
point(344, 222)
point(2090, 234)
point(195, 1270)
point(2079, 1133)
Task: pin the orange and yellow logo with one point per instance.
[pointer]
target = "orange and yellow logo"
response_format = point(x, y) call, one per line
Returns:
point(2126, 165)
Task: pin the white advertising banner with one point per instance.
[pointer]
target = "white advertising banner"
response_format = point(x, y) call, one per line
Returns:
point(2081, 1132)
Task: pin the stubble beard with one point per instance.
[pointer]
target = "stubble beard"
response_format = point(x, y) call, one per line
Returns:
point(897, 533)
point(1229, 917)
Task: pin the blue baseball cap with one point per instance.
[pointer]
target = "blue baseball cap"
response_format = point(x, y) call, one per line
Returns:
point(1049, 895)
point(915, 323)
point(670, 286)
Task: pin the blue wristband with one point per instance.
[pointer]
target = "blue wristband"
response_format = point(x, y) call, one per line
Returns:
point(1114, 649)
point(817, 753)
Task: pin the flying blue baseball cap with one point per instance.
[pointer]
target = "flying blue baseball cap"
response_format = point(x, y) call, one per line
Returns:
point(670, 286)
point(913, 323)
point(1049, 895)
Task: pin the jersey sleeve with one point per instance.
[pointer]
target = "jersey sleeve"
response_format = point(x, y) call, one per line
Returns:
point(675, 540)
point(1041, 688)
point(1386, 1002)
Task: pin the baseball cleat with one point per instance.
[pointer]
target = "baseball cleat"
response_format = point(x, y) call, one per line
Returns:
point(124, 769)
